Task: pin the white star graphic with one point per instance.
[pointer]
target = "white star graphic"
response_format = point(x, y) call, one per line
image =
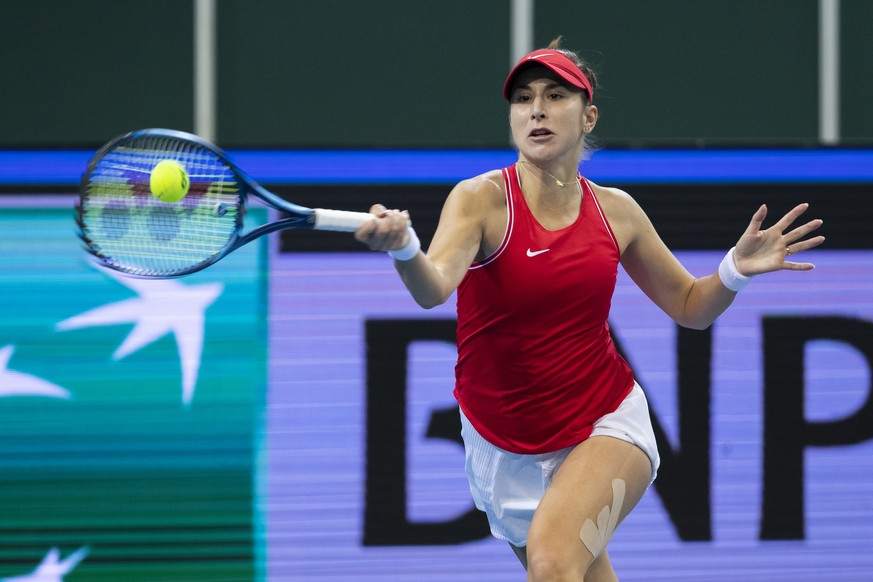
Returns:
point(51, 569)
point(20, 384)
point(162, 307)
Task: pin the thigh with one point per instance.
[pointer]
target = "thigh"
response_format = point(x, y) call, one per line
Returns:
point(585, 501)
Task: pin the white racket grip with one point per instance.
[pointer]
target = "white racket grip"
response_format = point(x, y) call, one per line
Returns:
point(341, 220)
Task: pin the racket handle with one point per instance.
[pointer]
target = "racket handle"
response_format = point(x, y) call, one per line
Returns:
point(341, 220)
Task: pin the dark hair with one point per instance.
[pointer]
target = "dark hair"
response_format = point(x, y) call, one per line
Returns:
point(583, 65)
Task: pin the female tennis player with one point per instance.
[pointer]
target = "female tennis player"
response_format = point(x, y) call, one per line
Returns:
point(558, 439)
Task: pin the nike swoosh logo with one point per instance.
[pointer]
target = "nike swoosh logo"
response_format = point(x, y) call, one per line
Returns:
point(531, 253)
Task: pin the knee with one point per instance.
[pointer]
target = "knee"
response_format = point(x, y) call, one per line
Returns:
point(549, 563)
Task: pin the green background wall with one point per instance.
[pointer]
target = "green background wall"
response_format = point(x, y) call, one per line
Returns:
point(428, 73)
point(102, 452)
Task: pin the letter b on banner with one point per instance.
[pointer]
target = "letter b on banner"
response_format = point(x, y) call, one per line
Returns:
point(386, 522)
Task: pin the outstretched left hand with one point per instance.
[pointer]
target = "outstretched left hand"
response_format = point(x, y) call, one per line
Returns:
point(762, 251)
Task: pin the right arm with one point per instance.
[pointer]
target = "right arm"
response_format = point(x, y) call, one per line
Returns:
point(431, 278)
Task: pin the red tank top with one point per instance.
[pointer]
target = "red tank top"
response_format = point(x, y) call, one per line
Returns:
point(536, 364)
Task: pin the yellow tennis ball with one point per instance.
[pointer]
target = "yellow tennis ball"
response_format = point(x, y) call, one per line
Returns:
point(169, 181)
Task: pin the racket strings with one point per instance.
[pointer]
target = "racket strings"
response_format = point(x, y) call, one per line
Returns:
point(138, 233)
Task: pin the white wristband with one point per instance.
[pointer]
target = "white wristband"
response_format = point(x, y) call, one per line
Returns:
point(410, 250)
point(729, 275)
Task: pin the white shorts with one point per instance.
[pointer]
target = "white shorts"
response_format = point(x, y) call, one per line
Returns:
point(508, 486)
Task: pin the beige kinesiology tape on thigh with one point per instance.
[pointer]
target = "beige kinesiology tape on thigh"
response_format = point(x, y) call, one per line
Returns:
point(597, 536)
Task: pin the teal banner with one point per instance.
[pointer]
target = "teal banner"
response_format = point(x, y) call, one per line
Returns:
point(130, 412)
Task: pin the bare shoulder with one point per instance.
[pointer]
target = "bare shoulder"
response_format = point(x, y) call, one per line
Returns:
point(614, 200)
point(477, 199)
point(483, 191)
point(475, 210)
point(624, 214)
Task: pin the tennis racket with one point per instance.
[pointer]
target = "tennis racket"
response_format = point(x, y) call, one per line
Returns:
point(126, 228)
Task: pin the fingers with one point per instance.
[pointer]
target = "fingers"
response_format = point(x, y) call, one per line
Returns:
point(803, 230)
point(791, 216)
point(757, 220)
point(805, 245)
point(378, 210)
point(780, 228)
point(792, 266)
point(386, 231)
point(766, 250)
point(793, 239)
